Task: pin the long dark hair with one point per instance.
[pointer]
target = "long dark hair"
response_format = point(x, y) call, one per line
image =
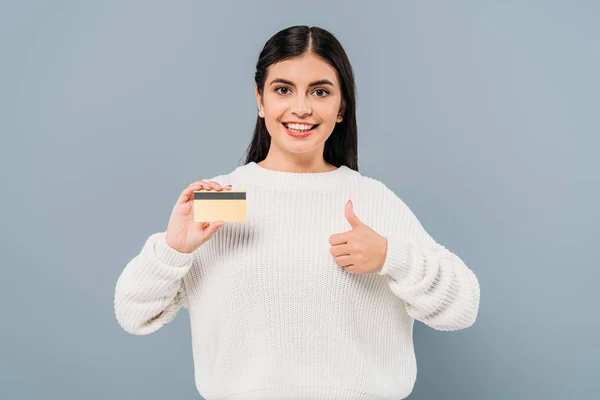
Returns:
point(341, 148)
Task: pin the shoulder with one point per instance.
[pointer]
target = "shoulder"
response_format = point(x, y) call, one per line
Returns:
point(379, 191)
point(237, 177)
point(225, 178)
point(386, 202)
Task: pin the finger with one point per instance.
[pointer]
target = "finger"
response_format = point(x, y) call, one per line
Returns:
point(188, 192)
point(215, 185)
point(183, 197)
point(340, 250)
point(213, 227)
point(196, 183)
point(226, 187)
point(338, 238)
point(220, 187)
point(210, 185)
point(343, 261)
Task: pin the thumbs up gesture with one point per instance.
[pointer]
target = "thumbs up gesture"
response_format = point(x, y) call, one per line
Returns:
point(360, 250)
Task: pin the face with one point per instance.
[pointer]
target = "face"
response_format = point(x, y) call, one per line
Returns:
point(300, 93)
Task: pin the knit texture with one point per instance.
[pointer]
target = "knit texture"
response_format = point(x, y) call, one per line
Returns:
point(274, 317)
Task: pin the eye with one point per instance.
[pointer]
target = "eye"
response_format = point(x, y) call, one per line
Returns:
point(281, 87)
point(322, 90)
point(287, 90)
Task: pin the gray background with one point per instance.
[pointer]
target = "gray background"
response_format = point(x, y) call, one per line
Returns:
point(478, 114)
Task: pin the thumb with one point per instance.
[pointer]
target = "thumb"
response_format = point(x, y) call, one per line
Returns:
point(213, 227)
point(350, 216)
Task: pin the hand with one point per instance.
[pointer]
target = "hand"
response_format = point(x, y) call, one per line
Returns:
point(183, 233)
point(360, 250)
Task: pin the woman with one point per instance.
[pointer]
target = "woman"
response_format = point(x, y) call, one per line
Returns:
point(314, 296)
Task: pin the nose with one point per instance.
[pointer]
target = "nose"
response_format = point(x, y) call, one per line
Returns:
point(301, 107)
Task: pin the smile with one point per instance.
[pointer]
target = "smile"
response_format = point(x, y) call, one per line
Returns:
point(299, 130)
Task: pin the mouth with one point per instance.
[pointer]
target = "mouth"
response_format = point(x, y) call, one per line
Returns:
point(299, 130)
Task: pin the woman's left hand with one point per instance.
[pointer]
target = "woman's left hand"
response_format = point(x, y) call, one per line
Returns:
point(360, 250)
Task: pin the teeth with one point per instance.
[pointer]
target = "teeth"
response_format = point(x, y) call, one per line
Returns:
point(299, 127)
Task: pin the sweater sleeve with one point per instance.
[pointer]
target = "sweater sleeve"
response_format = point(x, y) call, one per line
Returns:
point(437, 287)
point(150, 290)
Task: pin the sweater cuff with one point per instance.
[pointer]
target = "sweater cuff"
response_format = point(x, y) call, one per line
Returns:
point(170, 256)
point(404, 261)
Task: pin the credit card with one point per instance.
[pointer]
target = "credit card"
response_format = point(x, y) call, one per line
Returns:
point(224, 205)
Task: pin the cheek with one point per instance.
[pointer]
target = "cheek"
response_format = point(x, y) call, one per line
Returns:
point(327, 112)
point(274, 108)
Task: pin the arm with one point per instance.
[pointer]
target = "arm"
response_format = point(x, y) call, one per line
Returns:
point(150, 290)
point(436, 285)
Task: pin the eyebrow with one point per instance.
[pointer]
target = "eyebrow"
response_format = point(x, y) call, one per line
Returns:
point(319, 82)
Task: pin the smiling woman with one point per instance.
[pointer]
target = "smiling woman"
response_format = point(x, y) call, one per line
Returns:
point(306, 101)
point(314, 294)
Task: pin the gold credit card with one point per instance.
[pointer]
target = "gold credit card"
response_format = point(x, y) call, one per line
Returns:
point(224, 205)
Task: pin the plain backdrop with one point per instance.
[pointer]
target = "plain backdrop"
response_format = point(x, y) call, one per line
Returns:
point(481, 115)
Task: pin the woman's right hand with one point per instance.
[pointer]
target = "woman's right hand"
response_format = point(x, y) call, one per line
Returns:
point(183, 234)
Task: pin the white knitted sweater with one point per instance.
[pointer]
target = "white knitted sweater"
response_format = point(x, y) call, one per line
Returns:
point(274, 317)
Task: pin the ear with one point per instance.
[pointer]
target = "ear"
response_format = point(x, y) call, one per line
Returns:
point(259, 103)
point(342, 108)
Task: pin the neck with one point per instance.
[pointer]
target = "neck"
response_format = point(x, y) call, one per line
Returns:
point(285, 180)
point(285, 165)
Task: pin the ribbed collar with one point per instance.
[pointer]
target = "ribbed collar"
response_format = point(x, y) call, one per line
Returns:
point(292, 181)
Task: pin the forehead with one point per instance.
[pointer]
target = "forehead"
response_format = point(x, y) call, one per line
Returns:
point(303, 69)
